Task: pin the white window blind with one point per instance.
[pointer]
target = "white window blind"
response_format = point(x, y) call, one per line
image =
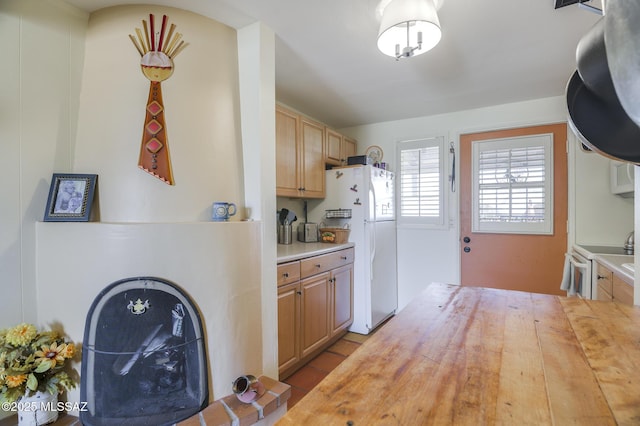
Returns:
point(513, 185)
point(420, 182)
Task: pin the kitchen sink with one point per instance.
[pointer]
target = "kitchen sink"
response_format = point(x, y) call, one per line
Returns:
point(629, 266)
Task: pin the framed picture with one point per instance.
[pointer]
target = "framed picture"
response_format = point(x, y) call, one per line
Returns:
point(70, 198)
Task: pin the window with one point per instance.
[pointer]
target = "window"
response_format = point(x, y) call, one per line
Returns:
point(512, 185)
point(421, 185)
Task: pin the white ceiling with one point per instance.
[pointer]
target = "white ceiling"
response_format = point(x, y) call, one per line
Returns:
point(327, 64)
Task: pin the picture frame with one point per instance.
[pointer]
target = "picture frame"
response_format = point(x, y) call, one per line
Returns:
point(70, 197)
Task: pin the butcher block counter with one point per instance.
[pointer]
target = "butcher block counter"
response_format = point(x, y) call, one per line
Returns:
point(469, 356)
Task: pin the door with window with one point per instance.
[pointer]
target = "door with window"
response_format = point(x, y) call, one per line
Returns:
point(513, 208)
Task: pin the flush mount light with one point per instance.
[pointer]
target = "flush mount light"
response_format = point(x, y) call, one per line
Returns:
point(408, 27)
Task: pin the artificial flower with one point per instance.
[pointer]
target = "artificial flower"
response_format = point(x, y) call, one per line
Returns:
point(33, 361)
point(49, 356)
point(21, 334)
point(69, 351)
point(15, 381)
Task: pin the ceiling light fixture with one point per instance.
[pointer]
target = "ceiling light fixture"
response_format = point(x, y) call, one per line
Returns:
point(408, 27)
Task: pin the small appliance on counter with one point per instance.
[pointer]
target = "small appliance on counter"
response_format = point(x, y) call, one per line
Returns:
point(308, 232)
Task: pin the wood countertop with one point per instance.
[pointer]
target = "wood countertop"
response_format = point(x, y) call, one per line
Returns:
point(469, 356)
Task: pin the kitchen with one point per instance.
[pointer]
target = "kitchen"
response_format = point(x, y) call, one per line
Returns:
point(436, 262)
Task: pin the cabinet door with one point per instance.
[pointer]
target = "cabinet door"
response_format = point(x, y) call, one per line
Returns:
point(605, 282)
point(314, 312)
point(622, 292)
point(288, 155)
point(288, 325)
point(603, 294)
point(312, 164)
point(333, 148)
point(342, 298)
point(349, 149)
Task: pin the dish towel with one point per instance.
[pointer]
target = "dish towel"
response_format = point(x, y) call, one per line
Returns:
point(568, 282)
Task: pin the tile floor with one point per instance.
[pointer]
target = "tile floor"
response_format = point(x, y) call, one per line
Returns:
point(303, 380)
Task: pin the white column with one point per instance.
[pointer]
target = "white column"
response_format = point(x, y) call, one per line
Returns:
point(256, 65)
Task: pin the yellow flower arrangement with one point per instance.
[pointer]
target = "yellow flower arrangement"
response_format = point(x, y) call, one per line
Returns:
point(33, 361)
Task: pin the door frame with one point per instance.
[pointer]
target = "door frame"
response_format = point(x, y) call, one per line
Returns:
point(454, 199)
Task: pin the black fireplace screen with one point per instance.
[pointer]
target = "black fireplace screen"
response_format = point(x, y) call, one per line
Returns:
point(144, 359)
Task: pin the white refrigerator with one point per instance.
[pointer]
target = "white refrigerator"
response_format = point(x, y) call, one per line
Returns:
point(369, 193)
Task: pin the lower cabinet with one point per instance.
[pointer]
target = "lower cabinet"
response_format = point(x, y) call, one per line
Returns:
point(605, 283)
point(622, 292)
point(342, 297)
point(314, 311)
point(288, 326)
point(612, 288)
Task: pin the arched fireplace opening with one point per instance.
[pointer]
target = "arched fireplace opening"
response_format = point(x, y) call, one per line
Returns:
point(144, 360)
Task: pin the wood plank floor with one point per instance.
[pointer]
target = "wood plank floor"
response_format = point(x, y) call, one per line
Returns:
point(305, 379)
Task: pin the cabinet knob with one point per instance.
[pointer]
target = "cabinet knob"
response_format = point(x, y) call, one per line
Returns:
point(602, 277)
point(343, 257)
point(286, 275)
point(317, 265)
point(299, 293)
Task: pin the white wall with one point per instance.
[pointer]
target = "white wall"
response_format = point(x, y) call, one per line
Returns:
point(48, 124)
point(202, 110)
point(601, 218)
point(206, 259)
point(428, 255)
point(42, 44)
point(256, 46)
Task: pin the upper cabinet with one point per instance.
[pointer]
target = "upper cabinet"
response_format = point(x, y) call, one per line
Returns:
point(622, 178)
point(338, 148)
point(303, 148)
point(299, 155)
point(312, 163)
point(349, 148)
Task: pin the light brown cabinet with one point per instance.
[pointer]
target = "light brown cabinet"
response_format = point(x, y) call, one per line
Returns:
point(605, 283)
point(314, 312)
point(288, 325)
point(338, 148)
point(612, 288)
point(299, 155)
point(622, 292)
point(316, 309)
point(350, 148)
point(342, 298)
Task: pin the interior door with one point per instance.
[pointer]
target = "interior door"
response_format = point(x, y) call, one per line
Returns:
point(515, 261)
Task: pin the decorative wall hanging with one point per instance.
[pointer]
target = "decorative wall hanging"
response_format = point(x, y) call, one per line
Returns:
point(157, 53)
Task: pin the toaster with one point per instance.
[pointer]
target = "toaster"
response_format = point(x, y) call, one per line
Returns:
point(308, 232)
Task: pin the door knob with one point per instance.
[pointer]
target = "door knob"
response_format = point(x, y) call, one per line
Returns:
point(467, 249)
point(466, 240)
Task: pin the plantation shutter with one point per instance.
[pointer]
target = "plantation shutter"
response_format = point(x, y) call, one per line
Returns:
point(421, 183)
point(512, 185)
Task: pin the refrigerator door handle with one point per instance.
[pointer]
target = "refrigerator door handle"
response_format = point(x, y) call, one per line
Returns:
point(372, 243)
